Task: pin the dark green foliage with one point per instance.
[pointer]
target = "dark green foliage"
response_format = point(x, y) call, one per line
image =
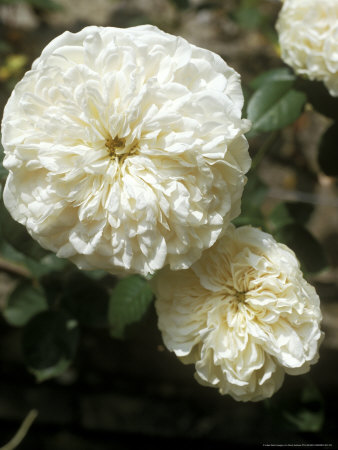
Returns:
point(280, 74)
point(308, 415)
point(24, 303)
point(86, 300)
point(328, 151)
point(274, 105)
point(253, 197)
point(128, 303)
point(31, 267)
point(48, 339)
point(304, 413)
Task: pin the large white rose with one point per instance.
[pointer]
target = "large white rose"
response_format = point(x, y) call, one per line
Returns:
point(308, 37)
point(125, 149)
point(243, 314)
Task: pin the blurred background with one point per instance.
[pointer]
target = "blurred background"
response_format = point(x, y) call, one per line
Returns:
point(118, 390)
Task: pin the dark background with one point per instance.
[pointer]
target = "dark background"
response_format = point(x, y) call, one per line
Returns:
point(119, 394)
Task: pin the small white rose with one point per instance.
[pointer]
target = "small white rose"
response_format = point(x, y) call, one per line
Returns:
point(243, 314)
point(125, 149)
point(308, 37)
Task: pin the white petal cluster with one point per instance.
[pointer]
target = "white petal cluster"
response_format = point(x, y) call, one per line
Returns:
point(243, 314)
point(308, 37)
point(125, 149)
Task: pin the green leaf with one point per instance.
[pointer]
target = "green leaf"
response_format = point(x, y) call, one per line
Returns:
point(274, 106)
point(48, 338)
point(95, 274)
point(306, 420)
point(301, 409)
point(86, 300)
point(280, 74)
point(51, 263)
point(328, 151)
point(24, 303)
point(51, 372)
point(30, 267)
point(309, 417)
point(128, 303)
point(308, 250)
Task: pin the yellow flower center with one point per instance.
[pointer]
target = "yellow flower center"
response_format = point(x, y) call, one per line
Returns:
point(241, 296)
point(116, 148)
point(114, 144)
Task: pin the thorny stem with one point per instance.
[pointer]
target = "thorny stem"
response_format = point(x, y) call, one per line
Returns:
point(22, 431)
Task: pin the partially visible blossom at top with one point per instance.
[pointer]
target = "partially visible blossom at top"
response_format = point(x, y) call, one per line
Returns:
point(243, 314)
point(125, 149)
point(308, 37)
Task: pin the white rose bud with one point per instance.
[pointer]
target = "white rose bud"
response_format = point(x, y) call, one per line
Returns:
point(243, 314)
point(308, 37)
point(125, 149)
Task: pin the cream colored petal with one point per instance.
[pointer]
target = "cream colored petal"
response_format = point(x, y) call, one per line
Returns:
point(308, 38)
point(136, 136)
point(243, 314)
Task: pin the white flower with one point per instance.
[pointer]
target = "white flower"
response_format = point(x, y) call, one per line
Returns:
point(243, 314)
point(125, 149)
point(308, 37)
